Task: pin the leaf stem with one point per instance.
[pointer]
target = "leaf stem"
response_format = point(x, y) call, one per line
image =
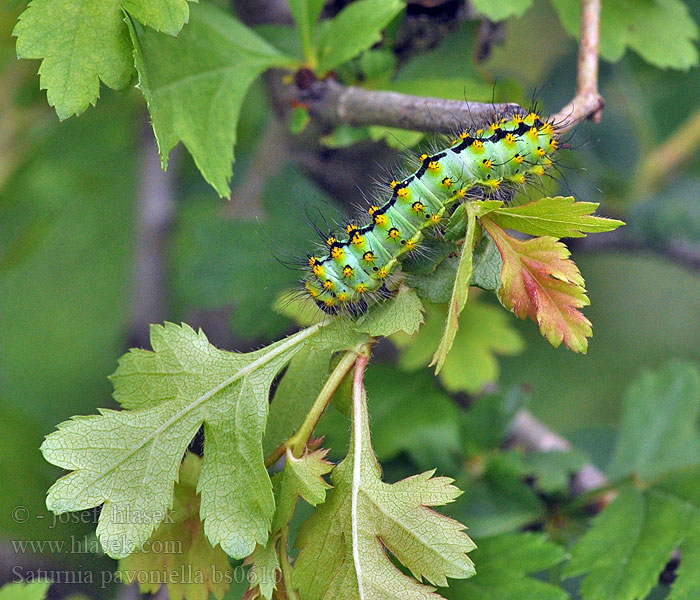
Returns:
point(298, 441)
point(286, 565)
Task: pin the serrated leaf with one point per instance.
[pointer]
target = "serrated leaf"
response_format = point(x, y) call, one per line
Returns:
point(487, 265)
point(128, 461)
point(662, 32)
point(504, 563)
point(195, 84)
point(404, 313)
point(687, 583)
point(180, 546)
point(628, 546)
point(499, 10)
point(342, 545)
point(35, 590)
point(80, 42)
point(559, 217)
point(357, 27)
point(659, 428)
point(436, 287)
point(484, 333)
point(264, 571)
point(539, 281)
point(83, 42)
point(300, 477)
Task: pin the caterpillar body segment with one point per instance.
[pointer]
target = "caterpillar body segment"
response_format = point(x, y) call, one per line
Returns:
point(509, 153)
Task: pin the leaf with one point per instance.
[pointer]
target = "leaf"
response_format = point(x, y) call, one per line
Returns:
point(306, 13)
point(687, 584)
point(129, 460)
point(628, 546)
point(553, 469)
point(81, 42)
point(195, 84)
point(485, 332)
point(487, 265)
point(540, 282)
point(357, 27)
point(659, 428)
point(264, 571)
point(436, 287)
point(180, 546)
point(343, 544)
point(402, 313)
point(167, 16)
point(504, 563)
point(558, 217)
point(500, 10)
point(460, 292)
point(662, 32)
point(35, 590)
point(300, 477)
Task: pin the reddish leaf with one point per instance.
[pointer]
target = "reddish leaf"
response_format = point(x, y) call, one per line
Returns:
point(539, 281)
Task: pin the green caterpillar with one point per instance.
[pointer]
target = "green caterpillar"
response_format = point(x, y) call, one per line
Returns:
point(510, 152)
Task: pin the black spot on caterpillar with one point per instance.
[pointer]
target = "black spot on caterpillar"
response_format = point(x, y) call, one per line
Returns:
point(509, 153)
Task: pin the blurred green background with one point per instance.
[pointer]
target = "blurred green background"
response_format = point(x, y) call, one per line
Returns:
point(95, 241)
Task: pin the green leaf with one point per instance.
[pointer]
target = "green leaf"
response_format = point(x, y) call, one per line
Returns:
point(300, 477)
point(553, 469)
point(487, 265)
point(628, 546)
point(195, 84)
point(402, 313)
point(35, 590)
point(436, 287)
point(306, 13)
point(559, 217)
point(295, 394)
point(264, 571)
point(357, 27)
point(128, 461)
point(167, 16)
point(460, 292)
point(662, 32)
point(485, 332)
point(659, 428)
point(81, 42)
point(687, 583)
point(343, 554)
point(503, 565)
point(180, 546)
point(500, 10)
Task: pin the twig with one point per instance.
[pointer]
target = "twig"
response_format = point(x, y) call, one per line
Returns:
point(588, 103)
point(336, 104)
point(535, 436)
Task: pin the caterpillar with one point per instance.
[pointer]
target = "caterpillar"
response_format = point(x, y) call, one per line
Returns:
point(509, 153)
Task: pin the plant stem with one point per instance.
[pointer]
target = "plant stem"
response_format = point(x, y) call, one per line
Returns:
point(286, 565)
point(298, 441)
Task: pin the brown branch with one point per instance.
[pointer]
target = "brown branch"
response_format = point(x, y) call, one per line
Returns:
point(336, 104)
point(588, 103)
point(535, 436)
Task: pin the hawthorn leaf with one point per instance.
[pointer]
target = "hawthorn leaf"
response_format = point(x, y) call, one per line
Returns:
point(179, 545)
point(659, 428)
point(436, 287)
point(539, 281)
point(504, 563)
point(195, 84)
point(487, 265)
point(357, 27)
point(559, 217)
point(167, 16)
point(128, 460)
point(402, 313)
point(343, 554)
point(500, 10)
point(264, 571)
point(687, 583)
point(300, 477)
point(306, 13)
point(662, 32)
point(80, 42)
point(460, 292)
point(483, 335)
point(34, 590)
point(626, 549)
